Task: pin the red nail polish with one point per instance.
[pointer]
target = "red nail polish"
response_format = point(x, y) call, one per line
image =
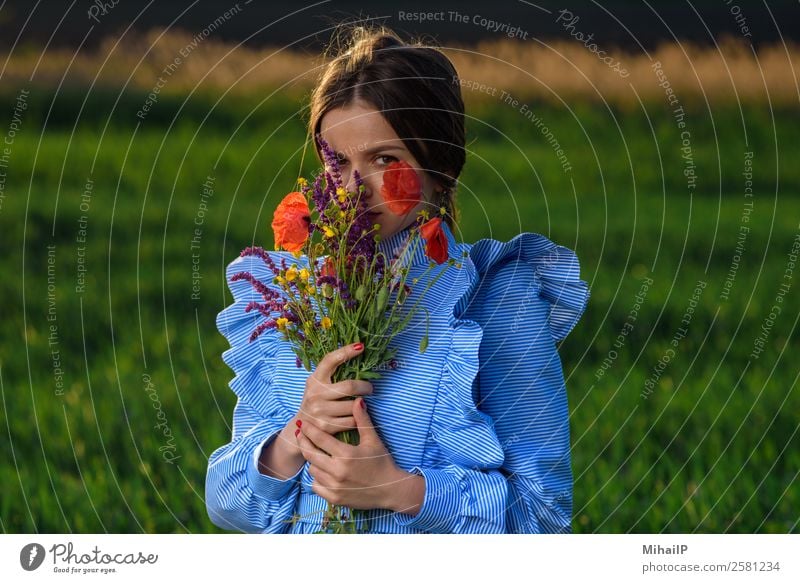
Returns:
point(296, 432)
point(363, 404)
point(298, 423)
point(358, 346)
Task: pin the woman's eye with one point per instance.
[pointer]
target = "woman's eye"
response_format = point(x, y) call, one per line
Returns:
point(389, 159)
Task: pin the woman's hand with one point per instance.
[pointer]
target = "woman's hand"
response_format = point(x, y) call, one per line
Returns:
point(323, 404)
point(360, 476)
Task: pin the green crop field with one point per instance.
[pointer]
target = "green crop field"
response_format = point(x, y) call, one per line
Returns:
point(680, 375)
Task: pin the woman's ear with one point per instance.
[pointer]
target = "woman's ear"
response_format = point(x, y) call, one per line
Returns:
point(450, 174)
point(439, 188)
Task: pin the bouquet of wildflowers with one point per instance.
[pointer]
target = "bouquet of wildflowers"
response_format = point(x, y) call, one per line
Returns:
point(341, 289)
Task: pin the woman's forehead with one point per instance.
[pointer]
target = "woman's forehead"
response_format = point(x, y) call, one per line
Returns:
point(357, 128)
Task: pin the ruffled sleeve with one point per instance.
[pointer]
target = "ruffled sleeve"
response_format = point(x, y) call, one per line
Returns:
point(465, 492)
point(252, 362)
point(556, 275)
point(238, 496)
point(529, 297)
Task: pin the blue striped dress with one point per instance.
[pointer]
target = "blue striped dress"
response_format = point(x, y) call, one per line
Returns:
point(482, 414)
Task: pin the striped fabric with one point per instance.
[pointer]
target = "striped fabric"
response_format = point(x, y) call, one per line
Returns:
point(502, 466)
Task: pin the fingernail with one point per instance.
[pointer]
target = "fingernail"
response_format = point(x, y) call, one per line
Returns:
point(298, 423)
point(297, 432)
point(358, 346)
point(363, 404)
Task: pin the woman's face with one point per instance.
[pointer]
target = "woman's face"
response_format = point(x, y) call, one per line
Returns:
point(364, 141)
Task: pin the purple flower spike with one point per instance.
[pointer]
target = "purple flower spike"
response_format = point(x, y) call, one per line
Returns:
point(331, 160)
point(262, 254)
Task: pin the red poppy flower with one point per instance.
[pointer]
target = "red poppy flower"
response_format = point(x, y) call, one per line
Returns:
point(402, 188)
point(290, 222)
point(435, 240)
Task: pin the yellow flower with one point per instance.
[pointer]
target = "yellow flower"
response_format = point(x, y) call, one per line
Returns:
point(341, 193)
point(329, 232)
point(442, 211)
point(279, 279)
point(302, 181)
point(312, 290)
point(291, 274)
point(341, 214)
point(304, 274)
point(297, 254)
point(326, 322)
point(281, 322)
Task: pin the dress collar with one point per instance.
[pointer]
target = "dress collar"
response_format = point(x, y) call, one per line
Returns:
point(394, 244)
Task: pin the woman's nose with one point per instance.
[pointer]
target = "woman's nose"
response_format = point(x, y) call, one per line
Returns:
point(350, 181)
point(351, 186)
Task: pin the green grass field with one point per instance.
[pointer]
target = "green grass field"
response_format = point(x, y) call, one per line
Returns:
point(118, 440)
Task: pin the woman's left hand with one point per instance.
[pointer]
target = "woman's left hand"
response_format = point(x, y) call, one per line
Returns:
point(359, 476)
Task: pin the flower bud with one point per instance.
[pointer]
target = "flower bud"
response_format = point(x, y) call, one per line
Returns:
point(360, 292)
point(381, 301)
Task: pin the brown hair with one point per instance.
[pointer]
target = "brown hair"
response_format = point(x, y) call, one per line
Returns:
point(417, 90)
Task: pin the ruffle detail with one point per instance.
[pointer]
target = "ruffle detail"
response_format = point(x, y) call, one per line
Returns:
point(465, 435)
point(252, 362)
point(556, 273)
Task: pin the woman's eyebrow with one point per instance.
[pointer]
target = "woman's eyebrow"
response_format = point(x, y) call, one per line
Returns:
point(372, 150)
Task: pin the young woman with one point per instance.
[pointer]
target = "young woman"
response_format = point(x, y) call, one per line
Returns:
point(471, 436)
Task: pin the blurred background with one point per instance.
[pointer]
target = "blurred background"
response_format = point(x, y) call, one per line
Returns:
point(145, 144)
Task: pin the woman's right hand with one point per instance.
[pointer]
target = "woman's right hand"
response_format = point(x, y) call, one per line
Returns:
point(323, 402)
